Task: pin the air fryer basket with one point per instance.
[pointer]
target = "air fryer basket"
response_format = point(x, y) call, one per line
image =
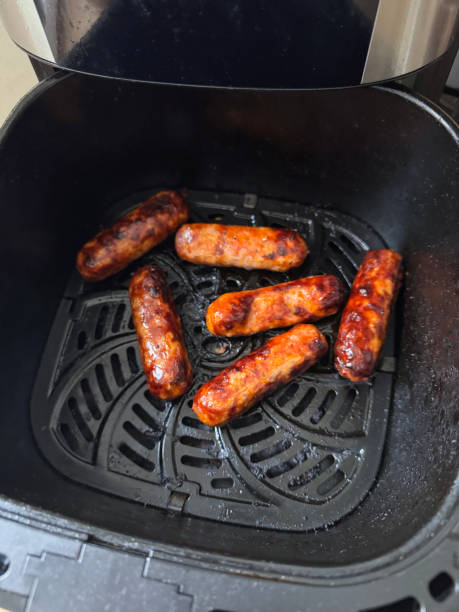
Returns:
point(324, 477)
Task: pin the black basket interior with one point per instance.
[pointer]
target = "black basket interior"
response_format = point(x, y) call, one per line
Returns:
point(360, 168)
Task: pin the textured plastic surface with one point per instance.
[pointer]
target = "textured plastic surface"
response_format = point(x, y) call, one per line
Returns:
point(63, 571)
point(302, 459)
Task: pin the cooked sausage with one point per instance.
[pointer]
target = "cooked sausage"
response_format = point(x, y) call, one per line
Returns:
point(365, 317)
point(238, 387)
point(159, 332)
point(248, 312)
point(132, 236)
point(240, 246)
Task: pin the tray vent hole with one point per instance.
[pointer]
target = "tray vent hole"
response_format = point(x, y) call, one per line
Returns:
point(103, 384)
point(350, 244)
point(408, 604)
point(216, 346)
point(132, 360)
point(90, 399)
point(4, 564)
point(272, 451)
point(204, 286)
point(246, 420)
point(157, 404)
point(257, 436)
point(140, 461)
point(131, 323)
point(82, 340)
point(344, 257)
point(441, 586)
point(304, 403)
point(195, 424)
point(145, 439)
point(232, 284)
point(287, 394)
point(304, 479)
point(145, 417)
point(197, 442)
point(118, 318)
point(344, 409)
point(324, 407)
point(117, 371)
point(215, 217)
point(79, 420)
point(201, 462)
point(330, 483)
point(68, 436)
point(286, 466)
point(101, 321)
point(222, 483)
point(180, 299)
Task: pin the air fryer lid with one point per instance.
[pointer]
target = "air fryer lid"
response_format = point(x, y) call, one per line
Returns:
point(247, 43)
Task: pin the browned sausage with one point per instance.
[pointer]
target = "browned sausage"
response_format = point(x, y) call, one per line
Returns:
point(132, 236)
point(240, 246)
point(363, 325)
point(248, 312)
point(159, 332)
point(249, 379)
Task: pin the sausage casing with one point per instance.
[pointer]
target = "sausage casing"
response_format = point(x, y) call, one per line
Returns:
point(238, 387)
point(132, 236)
point(159, 332)
point(363, 324)
point(248, 312)
point(240, 246)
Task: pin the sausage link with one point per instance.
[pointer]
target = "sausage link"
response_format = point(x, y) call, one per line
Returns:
point(132, 236)
point(240, 246)
point(363, 325)
point(248, 312)
point(159, 332)
point(249, 379)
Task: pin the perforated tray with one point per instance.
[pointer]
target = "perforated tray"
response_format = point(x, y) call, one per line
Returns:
point(302, 459)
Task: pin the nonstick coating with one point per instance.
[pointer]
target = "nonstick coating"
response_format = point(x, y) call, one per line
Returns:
point(79, 144)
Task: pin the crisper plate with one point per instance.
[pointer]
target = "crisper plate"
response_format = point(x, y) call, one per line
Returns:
point(301, 459)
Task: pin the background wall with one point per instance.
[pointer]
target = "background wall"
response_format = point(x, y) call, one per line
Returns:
point(16, 74)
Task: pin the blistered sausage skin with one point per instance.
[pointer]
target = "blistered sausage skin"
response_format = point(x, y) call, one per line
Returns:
point(240, 386)
point(132, 236)
point(159, 333)
point(240, 246)
point(363, 324)
point(248, 312)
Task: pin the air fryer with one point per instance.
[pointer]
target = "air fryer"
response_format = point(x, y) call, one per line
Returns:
point(326, 486)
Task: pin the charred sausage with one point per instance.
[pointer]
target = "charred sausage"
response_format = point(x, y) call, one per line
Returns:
point(238, 387)
point(365, 317)
point(159, 332)
point(240, 246)
point(248, 312)
point(132, 236)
